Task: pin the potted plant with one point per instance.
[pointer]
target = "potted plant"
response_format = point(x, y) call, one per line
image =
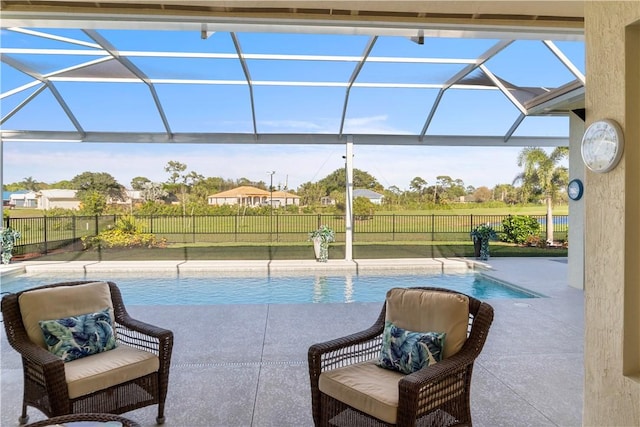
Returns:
point(481, 236)
point(321, 237)
point(8, 238)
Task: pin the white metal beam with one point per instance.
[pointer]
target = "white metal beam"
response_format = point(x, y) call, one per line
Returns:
point(348, 215)
point(247, 75)
point(484, 57)
point(504, 89)
point(104, 44)
point(35, 75)
point(138, 21)
point(565, 60)
point(283, 139)
point(252, 56)
point(354, 76)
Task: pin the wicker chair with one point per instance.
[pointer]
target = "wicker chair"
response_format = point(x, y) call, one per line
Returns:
point(86, 420)
point(348, 388)
point(140, 360)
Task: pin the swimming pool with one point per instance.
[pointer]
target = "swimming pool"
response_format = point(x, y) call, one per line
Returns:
point(276, 289)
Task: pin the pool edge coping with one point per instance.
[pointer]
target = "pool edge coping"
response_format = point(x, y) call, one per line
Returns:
point(257, 266)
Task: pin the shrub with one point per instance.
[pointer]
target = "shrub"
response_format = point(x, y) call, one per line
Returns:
point(127, 233)
point(519, 228)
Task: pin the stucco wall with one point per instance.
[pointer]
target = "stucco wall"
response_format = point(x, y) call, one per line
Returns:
point(610, 398)
point(575, 267)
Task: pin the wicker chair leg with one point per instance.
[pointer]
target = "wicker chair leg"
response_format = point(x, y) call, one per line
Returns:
point(24, 418)
point(160, 417)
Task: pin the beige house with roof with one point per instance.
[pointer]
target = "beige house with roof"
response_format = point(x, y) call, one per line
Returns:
point(57, 198)
point(253, 197)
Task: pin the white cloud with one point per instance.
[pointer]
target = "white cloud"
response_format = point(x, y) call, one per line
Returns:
point(371, 125)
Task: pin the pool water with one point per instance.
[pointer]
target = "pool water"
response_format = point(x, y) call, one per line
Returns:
point(276, 289)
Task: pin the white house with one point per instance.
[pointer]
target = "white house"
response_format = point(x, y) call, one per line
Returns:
point(57, 198)
point(129, 197)
point(375, 198)
point(23, 200)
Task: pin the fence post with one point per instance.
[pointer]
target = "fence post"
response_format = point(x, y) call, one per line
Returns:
point(96, 224)
point(433, 227)
point(235, 228)
point(73, 223)
point(319, 221)
point(471, 215)
point(393, 227)
point(193, 227)
point(46, 247)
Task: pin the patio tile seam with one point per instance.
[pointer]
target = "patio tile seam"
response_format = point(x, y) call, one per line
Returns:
point(264, 339)
point(512, 390)
point(240, 364)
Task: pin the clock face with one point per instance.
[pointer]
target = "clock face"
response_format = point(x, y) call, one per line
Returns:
point(574, 190)
point(602, 146)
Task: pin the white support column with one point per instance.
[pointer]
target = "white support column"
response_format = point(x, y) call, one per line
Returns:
point(1, 182)
point(348, 215)
point(575, 268)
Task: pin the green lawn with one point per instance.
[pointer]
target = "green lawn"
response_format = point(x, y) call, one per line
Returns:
point(458, 209)
point(301, 251)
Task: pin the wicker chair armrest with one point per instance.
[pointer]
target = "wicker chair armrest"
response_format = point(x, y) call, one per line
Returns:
point(35, 354)
point(142, 327)
point(45, 368)
point(451, 366)
point(154, 339)
point(346, 341)
point(345, 350)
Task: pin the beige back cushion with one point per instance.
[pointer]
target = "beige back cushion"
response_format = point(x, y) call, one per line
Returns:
point(62, 301)
point(431, 311)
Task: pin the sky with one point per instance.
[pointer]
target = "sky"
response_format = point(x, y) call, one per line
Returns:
point(293, 165)
point(280, 108)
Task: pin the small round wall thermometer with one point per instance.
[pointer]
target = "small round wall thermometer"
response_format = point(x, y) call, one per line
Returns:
point(602, 145)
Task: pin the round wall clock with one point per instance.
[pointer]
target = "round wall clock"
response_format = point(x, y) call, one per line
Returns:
point(602, 145)
point(575, 189)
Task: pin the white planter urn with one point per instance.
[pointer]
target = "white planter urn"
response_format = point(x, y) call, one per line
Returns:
point(316, 247)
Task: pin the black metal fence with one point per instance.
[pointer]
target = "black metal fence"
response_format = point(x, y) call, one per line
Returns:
point(44, 234)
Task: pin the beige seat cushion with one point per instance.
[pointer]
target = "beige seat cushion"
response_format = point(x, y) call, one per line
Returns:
point(374, 390)
point(59, 302)
point(366, 387)
point(431, 311)
point(103, 370)
point(95, 372)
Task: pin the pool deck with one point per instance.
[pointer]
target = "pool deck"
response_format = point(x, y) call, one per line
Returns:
point(530, 372)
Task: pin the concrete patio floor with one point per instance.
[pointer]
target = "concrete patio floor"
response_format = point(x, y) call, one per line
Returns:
point(246, 365)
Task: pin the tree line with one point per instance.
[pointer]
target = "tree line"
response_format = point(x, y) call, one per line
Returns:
point(184, 191)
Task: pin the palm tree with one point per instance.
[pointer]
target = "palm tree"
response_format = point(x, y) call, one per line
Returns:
point(542, 175)
point(30, 184)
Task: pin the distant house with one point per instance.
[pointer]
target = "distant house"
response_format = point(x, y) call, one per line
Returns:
point(375, 198)
point(130, 197)
point(6, 198)
point(327, 201)
point(253, 197)
point(23, 199)
point(284, 198)
point(57, 198)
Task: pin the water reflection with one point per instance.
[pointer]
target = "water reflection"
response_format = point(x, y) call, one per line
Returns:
point(320, 289)
point(348, 288)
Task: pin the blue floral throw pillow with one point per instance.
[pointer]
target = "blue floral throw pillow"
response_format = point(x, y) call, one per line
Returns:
point(407, 351)
point(79, 336)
